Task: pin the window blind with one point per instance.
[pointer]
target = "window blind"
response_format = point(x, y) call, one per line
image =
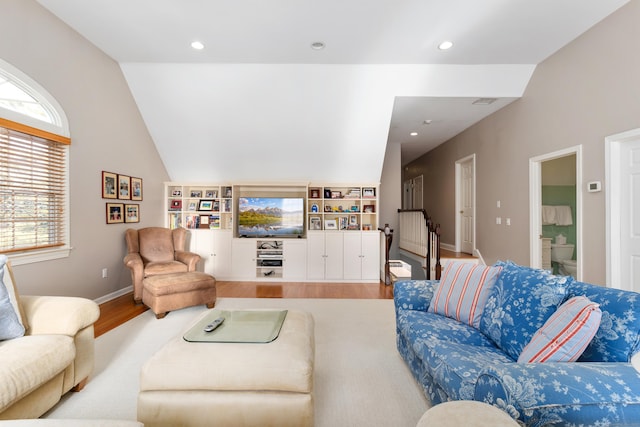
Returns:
point(32, 190)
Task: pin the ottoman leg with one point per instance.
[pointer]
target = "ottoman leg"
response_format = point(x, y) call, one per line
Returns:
point(161, 315)
point(211, 304)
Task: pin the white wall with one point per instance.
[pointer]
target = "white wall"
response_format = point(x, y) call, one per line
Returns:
point(107, 133)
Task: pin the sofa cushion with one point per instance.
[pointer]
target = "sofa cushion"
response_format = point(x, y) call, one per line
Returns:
point(420, 325)
point(520, 302)
point(618, 337)
point(30, 361)
point(10, 325)
point(463, 290)
point(566, 334)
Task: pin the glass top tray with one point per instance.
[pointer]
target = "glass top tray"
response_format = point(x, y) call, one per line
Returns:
point(239, 326)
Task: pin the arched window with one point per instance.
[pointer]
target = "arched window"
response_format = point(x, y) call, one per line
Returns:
point(34, 172)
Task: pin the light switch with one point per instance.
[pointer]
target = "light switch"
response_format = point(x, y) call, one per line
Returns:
point(498, 220)
point(508, 221)
point(498, 204)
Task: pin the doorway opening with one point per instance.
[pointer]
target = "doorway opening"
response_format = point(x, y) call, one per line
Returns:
point(555, 201)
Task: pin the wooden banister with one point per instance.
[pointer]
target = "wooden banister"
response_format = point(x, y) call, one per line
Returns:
point(432, 243)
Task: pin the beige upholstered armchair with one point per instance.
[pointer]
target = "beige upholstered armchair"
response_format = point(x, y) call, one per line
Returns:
point(156, 250)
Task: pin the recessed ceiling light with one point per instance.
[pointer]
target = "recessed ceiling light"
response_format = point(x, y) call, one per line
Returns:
point(197, 45)
point(317, 45)
point(414, 134)
point(445, 45)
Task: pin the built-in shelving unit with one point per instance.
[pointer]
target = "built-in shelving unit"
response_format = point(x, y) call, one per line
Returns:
point(339, 241)
point(345, 208)
point(199, 206)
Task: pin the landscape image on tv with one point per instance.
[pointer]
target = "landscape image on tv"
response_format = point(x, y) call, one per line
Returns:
point(271, 216)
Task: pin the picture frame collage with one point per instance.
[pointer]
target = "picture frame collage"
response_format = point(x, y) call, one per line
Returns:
point(121, 187)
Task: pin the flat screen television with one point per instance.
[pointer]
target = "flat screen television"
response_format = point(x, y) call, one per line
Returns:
point(271, 216)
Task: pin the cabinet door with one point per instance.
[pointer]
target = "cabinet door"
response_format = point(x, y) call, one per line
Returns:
point(295, 260)
point(222, 253)
point(352, 255)
point(334, 251)
point(243, 259)
point(201, 243)
point(315, 256)
point(370, 255)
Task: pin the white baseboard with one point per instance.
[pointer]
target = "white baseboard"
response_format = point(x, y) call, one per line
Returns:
point(114, 295)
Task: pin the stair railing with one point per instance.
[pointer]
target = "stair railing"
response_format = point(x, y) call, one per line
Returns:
point(421, 236)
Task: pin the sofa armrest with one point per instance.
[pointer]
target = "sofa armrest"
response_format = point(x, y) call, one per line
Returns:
point(413, 294)
point(577, 393)
point(188, 258)
point(58, 315)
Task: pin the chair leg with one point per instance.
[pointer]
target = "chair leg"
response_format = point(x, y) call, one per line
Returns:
point(80, 385)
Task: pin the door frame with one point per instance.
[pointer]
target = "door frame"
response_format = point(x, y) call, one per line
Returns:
point(535, 205)
point(614, 203)
point(458, 206)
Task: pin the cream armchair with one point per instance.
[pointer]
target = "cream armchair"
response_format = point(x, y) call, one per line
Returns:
point(154, 251)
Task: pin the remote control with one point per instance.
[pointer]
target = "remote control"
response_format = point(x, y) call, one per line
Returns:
point(213, 325)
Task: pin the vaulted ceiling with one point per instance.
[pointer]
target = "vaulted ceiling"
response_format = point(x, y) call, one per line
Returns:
point(259, 103)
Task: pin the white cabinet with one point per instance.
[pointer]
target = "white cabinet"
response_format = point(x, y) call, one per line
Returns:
point(213, 246)
point(243, 259)
point(362, 256)
point(295, 259)
point(325, 255)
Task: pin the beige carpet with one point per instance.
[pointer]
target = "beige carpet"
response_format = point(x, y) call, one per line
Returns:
point(360, 379)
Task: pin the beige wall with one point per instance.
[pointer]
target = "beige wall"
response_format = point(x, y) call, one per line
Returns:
point(107, 133)
point(588, 90)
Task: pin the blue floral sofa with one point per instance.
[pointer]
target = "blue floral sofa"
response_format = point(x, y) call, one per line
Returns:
point(456, 360)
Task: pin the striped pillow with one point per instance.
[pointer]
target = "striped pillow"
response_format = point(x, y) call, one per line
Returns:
point(463, 290)
point(566, 334)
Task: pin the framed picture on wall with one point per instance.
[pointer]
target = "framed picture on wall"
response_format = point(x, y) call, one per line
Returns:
point(136, 188)
point(131, 213)
point(124, 187)
point(115, 214)
point(109, 185)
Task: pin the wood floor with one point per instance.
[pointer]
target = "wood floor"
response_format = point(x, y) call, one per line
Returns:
point(119, 310)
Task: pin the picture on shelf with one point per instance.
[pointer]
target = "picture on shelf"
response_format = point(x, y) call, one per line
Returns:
point(205, 205)
point(211, 194)
point(192, 206)
point(314, 223)
point(343, 223)
point(369, 209)
point(366, 227)
point(196, 193)
point(175, 205)
point(330, 224)
point(353, 220)
point(368, 192)
point(314, 193)
point(176, 193)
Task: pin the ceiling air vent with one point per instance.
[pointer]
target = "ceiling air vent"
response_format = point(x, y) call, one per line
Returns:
point(484, 101)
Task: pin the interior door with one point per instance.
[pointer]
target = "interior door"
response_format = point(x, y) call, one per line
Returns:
point(467, 206)
point(417, 193)
point(630, 215)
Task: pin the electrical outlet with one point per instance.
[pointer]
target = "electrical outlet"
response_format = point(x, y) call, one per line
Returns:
point(104, 273)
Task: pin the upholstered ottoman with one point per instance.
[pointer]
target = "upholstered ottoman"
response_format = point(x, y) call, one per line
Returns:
point(166, 292)
point(232, 384)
